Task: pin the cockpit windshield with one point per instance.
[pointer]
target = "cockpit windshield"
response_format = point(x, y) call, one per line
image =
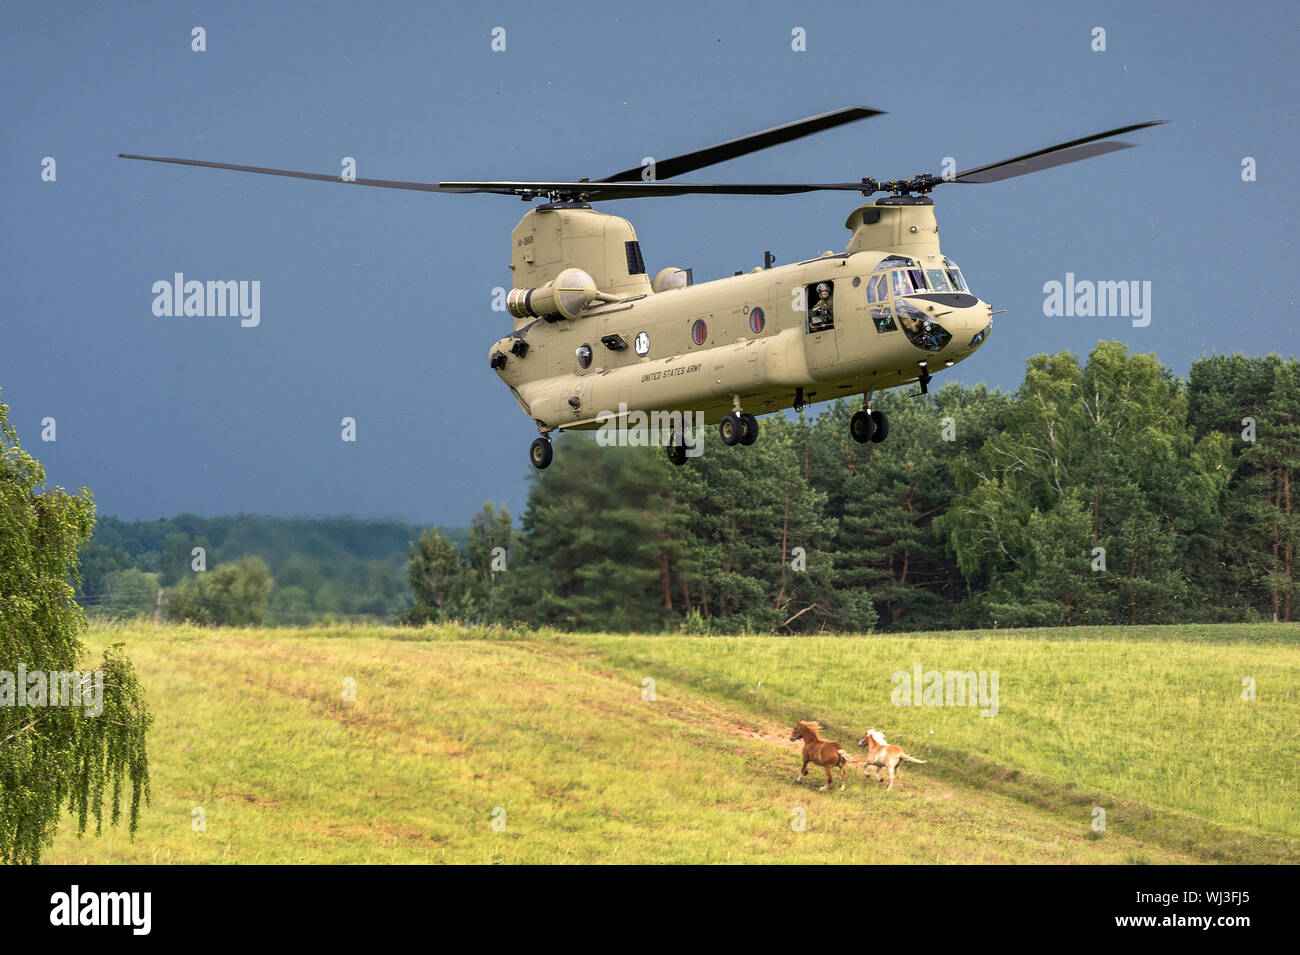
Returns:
point(908, 281)
point(953, 274)
point(907, 277)
point(939, 280)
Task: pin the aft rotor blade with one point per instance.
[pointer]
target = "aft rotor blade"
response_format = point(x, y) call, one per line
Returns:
point(598, 191)
point(1046, 158)
point(689, 162)
point(322, 177)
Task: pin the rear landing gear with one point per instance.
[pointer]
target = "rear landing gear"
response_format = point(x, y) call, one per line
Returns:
point(730, 428)
point(676, 448)
point(738, 428)
point(540, 453)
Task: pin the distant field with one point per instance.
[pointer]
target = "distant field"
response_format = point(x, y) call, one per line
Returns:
point(551, 730)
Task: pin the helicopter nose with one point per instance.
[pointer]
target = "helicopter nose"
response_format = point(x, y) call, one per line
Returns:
point(970, 327)
point(961, 315)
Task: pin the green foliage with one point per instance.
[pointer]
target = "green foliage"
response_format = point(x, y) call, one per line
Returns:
point(130, 593)
point(1081, 508)
point(598, 531)
point(230, 595)
point(55, 756)
point(888, 496)
point(469, 584)
point(1248, 559)
point(348, 567)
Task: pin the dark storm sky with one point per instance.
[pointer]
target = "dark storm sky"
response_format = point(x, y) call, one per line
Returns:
point(375, 304)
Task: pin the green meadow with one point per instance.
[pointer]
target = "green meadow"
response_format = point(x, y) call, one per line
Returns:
point(450, 745)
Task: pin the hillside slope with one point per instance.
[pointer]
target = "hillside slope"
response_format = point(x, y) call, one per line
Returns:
point(254, 739)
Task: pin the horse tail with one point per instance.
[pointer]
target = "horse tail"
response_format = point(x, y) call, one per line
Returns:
point(912, 759)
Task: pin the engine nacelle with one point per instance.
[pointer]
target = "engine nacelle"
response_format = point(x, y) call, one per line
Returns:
point(669, 279)
point(566, 295)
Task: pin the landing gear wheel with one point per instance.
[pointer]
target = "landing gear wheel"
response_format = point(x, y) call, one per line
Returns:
point(676, 449)
point(881, 431)
point(730, 429)
point(862, 427)
point(749, 429)
point(540, 453)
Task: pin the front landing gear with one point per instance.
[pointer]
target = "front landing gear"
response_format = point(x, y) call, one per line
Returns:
point(881, 431)
point(867, 425)
point(861, 427)
point(540, 453)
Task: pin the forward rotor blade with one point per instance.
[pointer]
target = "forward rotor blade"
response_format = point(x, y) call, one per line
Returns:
point(322, 177)
point(733, 148)
point(1046, 158)
point(601, 191)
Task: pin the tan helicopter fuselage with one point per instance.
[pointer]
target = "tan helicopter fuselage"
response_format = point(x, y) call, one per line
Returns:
point(756, 341)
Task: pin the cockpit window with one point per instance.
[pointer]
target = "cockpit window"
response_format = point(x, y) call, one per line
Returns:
point(955, 277)
point(939, 280)
point(896, 262)
point(908, 281)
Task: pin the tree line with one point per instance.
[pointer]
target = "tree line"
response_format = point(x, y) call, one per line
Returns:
point(256, 569)
point(1107, 491)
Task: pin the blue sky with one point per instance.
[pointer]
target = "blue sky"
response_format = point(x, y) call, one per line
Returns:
point(375, 304)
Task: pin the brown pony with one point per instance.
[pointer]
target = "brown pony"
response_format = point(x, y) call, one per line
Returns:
point(822, 752)
point(882, 755)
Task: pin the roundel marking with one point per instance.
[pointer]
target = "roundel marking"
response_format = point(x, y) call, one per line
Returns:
point(642, 344)
point(700, 332)
point(584, 356)
point(756, 321)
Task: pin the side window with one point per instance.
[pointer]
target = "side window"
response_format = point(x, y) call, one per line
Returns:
point(882, 316)
point(872, 294)
point(820, 299)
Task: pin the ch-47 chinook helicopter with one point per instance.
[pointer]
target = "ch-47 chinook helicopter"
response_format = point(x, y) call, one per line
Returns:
point(594, 333)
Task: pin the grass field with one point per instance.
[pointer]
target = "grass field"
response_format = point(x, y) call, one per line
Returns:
point(550, 736)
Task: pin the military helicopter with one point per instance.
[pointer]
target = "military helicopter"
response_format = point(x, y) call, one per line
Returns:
point(594, 333)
